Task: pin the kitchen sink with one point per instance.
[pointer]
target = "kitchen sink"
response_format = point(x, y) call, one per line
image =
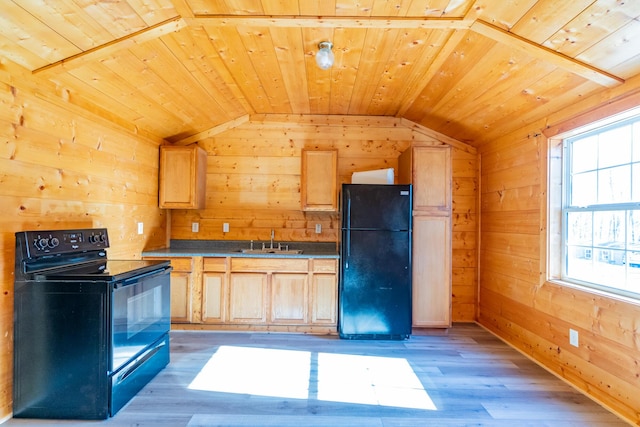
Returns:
point(272, 251)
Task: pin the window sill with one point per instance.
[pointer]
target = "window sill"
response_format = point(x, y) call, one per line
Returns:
point(596, 291)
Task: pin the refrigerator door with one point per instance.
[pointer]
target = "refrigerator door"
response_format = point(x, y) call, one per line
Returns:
point(376, 207)
point(375, 285)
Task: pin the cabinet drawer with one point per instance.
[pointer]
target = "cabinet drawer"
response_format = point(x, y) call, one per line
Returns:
point(178, 264)
point(215, 264)
point(270, 264)
point(324, 265)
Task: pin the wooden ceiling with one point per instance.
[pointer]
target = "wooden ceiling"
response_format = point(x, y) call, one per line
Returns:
point(471, 69)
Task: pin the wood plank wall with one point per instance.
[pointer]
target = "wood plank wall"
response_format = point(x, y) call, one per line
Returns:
point(253, 183)
point(517, 302)
point(63, 167)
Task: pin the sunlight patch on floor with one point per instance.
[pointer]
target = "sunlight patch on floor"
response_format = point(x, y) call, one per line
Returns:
point(345, 378)
point(256, 371)
point(370, 380)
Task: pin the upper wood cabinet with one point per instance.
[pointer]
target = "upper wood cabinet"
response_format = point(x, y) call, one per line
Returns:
point(429, 170)
point(319, 180)
point(183, 175)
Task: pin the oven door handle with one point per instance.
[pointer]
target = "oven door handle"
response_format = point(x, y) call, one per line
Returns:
point(137, 278)
point(138, 361)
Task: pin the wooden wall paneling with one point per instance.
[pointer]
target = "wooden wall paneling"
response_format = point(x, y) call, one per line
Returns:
point(195, 52)
point(318, 80)
point(372, 63)
point(464, 223)
point(348, 43)
point(534, 315)
point(64, 167)
point(289, 49)
point(422, 47)
point(114, 78)
point(228, 43)
point(253, 182)
point(561, 89)
point(610, 380)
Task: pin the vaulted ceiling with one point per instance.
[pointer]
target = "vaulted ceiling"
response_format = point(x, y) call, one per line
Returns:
point(471, 69)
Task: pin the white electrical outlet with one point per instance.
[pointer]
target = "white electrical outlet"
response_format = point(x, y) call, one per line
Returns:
point(225, 227)
point(573, 337)
point(140, 228)
point(318, 228)
point(195, 227)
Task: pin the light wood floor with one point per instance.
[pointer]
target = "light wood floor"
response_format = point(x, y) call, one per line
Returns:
point(465, 377)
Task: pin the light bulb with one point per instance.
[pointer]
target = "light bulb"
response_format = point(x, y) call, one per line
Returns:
point(324, 57)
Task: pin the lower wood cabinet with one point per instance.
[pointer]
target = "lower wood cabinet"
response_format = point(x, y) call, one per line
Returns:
point(247, 298)
point(254, 292)
point(214, 290)
point(182, 288)
point(323, 299)
point(289, 296)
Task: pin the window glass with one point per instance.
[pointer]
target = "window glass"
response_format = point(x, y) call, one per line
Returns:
point(601, 208)
point(614, 185)
point(635, 183)
point(583, 189)
point(636, 142)
point(585, 154)
point(614, 147)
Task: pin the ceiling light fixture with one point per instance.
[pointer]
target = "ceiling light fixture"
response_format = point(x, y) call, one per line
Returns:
point(324, 57)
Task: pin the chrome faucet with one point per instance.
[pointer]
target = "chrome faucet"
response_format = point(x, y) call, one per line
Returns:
point(272, 236)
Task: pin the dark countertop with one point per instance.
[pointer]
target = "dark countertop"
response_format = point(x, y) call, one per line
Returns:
point(224, 248)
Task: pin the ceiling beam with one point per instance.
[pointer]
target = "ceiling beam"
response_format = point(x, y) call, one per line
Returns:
point(213, 131)
point(138, 37)
point(538, 51)
point(331, 21)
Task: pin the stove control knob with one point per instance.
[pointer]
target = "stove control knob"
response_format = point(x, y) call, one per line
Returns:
point(93, 238)
point(42, 243)
point(54, 242)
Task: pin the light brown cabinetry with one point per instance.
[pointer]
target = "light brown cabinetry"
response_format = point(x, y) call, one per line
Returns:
point(289, 296)
point(183, 174)
point(252, 293)
point(269, 290)
point(319, 180)
point(428, 168)
point(182, 288)
point(248, 298)
point(431, 271)
point(214, 290)
point(324, 286)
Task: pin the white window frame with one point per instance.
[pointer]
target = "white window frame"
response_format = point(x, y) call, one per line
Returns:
point(557, 190)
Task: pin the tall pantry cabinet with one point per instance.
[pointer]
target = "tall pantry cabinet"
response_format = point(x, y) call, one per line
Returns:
point(428, 168)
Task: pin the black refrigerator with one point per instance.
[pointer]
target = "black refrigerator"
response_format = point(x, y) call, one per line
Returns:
point(374, 296)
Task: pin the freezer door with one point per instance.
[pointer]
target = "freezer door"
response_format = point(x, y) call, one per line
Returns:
point(376, 207)
point(375, 285)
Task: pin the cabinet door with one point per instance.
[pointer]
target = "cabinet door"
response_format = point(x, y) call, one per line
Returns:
point(431, 171)
point(248, 297)
point(319, 180)
point(213, 297)
point(289, 293)
point(323, 298)
point(432, 271)
point(181, 286)
point(182, 177)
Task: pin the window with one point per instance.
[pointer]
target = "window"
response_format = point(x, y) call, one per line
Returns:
point(600, 224)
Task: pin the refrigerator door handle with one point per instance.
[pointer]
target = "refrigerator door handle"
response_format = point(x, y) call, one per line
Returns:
point(348, 228)
point(348, 236)
point(348, 209)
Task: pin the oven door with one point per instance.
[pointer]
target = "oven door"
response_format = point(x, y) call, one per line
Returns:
point(141, 314)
